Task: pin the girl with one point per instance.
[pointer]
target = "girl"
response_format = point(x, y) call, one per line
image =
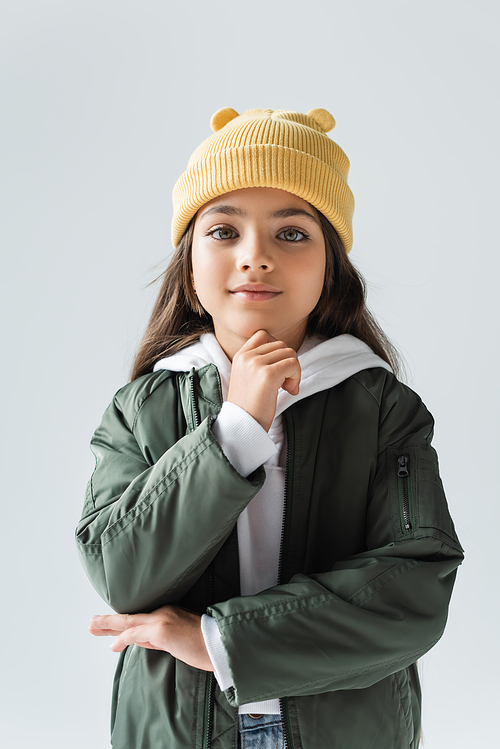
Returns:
point(266, 512)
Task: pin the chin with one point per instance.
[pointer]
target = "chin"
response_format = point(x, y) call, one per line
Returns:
point(249, 331)
point(280, 332)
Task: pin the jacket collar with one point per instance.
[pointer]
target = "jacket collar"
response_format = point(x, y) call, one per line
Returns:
point(324, 363)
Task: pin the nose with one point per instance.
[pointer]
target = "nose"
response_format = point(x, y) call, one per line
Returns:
point(254, 255)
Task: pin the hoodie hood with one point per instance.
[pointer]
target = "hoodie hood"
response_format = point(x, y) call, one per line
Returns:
point(324, 364)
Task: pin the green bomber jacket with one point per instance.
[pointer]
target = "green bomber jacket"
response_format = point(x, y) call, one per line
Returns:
point(367, 562)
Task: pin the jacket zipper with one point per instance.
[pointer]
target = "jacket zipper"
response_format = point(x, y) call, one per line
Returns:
point(194, 404)
point(404, 490)
point(285, 714)
point(210, 680)
point(209, 710)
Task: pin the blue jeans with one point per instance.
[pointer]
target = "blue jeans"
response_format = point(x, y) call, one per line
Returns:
point(264, 732)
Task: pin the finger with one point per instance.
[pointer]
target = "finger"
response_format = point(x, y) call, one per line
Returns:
point(104, 632)
point(273, 347)
point(140, 635)
point(291, 386)
point(99, 628)
point(281, 354)
point(115, 623)
point(288, 366)
point(257, 339)
point(292, 376)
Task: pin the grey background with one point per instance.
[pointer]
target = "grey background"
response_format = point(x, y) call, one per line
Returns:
point(102, 103)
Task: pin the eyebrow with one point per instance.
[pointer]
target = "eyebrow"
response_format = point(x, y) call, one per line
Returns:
point(231, 210)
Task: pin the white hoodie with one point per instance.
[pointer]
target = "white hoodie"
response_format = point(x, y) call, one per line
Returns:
point(247, 445)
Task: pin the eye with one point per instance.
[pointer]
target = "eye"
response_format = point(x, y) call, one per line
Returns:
point(222, 229)
point(291, 235)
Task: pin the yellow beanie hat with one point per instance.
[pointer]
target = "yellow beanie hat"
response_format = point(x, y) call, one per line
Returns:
point(268, 148)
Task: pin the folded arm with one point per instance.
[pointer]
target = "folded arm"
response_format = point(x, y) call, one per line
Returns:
point(148, 531)
point(371, 614)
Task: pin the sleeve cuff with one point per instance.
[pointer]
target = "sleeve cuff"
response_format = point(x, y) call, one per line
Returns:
point(244, 442)
point(213, 642)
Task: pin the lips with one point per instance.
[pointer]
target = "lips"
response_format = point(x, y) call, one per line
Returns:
point(255, 292)
point(256, 287)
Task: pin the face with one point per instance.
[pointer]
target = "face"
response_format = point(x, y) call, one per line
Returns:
point(258, 260)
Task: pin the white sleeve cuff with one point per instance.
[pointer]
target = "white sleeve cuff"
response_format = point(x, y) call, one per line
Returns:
point(244, 442)
point(213, 642)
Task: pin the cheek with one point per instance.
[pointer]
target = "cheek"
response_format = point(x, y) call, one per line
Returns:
point(313, 277)
point(208, 274)
point(200, 264)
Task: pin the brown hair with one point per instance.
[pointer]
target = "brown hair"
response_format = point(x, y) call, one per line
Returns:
point(178, 318)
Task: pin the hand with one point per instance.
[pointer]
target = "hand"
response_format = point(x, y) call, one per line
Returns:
point(260, 368)
point(169, 628)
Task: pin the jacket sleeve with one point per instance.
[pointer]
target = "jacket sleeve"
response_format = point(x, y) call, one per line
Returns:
point(373, 613)
point(149, 528)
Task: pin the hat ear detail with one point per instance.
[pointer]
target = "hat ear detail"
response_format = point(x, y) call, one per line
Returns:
point(222, 117)
point(323, 118)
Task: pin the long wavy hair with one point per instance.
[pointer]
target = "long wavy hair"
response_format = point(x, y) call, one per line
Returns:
point(178, 318)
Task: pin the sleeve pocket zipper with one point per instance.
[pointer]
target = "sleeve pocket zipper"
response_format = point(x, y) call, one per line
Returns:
point(404, 491)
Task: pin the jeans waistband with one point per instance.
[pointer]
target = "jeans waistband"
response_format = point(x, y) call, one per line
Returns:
point(247, 723)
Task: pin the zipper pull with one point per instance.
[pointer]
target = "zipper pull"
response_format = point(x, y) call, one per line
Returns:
point(403, 466)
